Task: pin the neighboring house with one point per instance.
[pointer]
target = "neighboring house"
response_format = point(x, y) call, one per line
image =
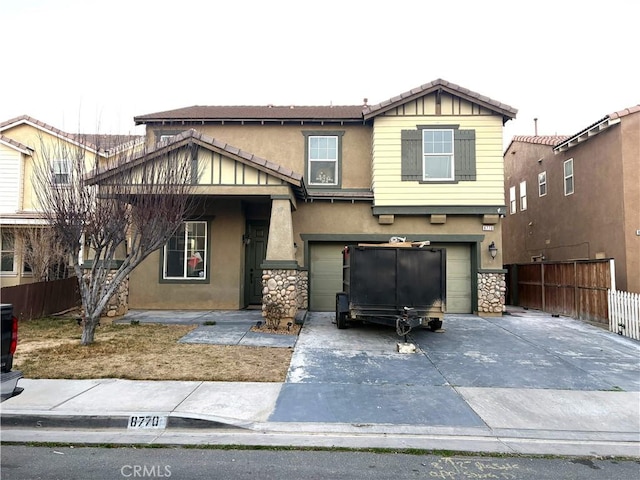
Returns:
point(577, 197)
point(23, 141)
point(282, 189)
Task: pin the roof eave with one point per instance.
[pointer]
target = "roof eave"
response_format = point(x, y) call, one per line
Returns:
point(587, 133)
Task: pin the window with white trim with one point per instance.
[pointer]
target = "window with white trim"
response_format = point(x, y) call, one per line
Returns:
point(568, 177)
point(437, 153)
point(7, 251)
point(523, 195)
point(185, 254)
point(542, 184)
point(61, 170)
point(512, 200)
point(323, 160)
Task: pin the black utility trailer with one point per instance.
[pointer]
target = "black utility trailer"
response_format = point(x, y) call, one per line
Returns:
point(401, 285)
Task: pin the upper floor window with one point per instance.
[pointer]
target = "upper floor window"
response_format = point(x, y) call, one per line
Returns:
point(7, 251)
point(166, 138)
point(523, 195)
point(185, 254)
point(438, 153)
point(568, 177)
point(324, 152)
point(542, 184)
point(61, 170)
point(512, 200)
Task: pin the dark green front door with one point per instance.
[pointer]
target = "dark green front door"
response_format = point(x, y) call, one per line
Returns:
point(255, 252)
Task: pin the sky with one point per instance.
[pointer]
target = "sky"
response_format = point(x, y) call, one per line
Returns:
point(91, 66)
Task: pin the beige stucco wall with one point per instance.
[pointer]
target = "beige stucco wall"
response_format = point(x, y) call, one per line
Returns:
point(224, 291)
point(285, 145)
point(345, 218)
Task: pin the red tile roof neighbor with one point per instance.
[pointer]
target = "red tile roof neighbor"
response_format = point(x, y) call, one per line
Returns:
point(626, 111)
point(550, 140)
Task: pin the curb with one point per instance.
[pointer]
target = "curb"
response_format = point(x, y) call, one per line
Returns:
point(102, 422)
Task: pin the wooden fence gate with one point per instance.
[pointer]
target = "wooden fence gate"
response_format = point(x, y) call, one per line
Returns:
point(574, 288)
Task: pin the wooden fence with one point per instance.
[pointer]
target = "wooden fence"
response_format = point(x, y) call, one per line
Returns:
point(35, 300)
point(624, 313)
point(574, 288)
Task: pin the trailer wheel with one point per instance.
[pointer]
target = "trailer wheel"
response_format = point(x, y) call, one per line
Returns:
point(435, 324)
point(341, 320)
point(342, 309)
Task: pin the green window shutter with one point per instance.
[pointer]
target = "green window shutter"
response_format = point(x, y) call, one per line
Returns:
point(464, 144)
point(411, 155)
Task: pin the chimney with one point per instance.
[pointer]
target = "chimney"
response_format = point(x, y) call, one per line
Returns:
point(535, 126)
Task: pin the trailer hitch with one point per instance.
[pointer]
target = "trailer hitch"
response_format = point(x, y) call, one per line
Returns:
point(405, 322)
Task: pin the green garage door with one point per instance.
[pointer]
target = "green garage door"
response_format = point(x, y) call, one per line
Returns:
point(458, 279)
point(325, 275)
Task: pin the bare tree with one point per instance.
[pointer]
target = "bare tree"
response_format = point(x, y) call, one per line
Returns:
point(114, 206)
point(41, 252)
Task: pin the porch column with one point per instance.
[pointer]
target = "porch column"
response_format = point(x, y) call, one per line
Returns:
point(280, 242)
point(280, 283)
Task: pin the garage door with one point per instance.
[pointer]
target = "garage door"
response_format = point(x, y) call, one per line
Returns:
point(325, 275)
point(458, 279)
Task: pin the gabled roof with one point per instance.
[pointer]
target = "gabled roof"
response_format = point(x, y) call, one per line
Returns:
point(329, 113)
point(439, 84)
point(103, 145)
point(10, 142)
point(190, 137)
point(202, 113)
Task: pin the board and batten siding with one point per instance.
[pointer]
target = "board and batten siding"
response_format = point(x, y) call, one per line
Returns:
point(9, 180)
point(390, 190)
point(217, 169)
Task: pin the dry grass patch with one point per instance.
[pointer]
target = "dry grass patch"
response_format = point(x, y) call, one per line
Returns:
point(50, 348)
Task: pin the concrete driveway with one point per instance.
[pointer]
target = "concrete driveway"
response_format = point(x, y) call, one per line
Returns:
point(523, 370)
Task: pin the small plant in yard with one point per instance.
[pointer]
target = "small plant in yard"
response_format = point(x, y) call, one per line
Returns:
point(273, 313)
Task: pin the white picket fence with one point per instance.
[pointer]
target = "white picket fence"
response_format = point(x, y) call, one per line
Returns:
point(624, 313)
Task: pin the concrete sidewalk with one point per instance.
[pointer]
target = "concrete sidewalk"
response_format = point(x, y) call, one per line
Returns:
point(525, 383)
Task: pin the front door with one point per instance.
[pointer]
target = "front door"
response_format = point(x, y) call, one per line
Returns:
point(255, 252)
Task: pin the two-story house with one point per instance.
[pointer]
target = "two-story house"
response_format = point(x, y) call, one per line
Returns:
point(25, 141)
point(282, 189)
point(577, 197)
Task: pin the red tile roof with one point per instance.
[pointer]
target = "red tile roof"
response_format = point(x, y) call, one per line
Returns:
point(624, 112)
point(550, 140)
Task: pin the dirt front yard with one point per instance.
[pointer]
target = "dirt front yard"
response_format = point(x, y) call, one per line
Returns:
point(50, 348)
